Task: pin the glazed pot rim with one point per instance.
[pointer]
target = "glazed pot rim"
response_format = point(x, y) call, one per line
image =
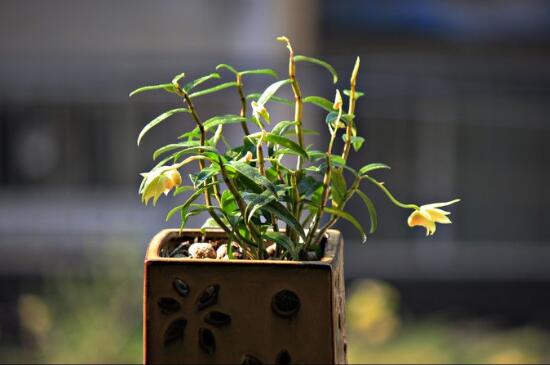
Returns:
point(334, 238)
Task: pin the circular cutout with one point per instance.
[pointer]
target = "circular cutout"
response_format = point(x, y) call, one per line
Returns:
point(283, 358)
point(285, 303)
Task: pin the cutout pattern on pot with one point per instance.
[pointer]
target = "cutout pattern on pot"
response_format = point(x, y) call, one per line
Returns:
point(218, 319)
point(285, 303)
point(181, 287)
point(208, 297)
point(175, 331)
point(168, 305)
point(207, 341)
point(283, 358)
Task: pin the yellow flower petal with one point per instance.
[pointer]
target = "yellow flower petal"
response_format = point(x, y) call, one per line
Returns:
point(418, 218)
point(438, 215)
point(439, 205)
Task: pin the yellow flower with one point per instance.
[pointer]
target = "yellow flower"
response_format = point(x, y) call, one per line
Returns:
point(159, 181)
point(430, 214)
point(260, 110)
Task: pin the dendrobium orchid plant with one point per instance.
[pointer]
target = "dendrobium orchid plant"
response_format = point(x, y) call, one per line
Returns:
point(248, 190)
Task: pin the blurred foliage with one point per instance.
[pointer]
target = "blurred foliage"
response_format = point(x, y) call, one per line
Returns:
point(378, 335)
point(95, 317)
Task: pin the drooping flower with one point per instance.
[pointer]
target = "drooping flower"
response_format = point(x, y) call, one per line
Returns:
point(430, 214)
point(260, 110)
point(158, 181)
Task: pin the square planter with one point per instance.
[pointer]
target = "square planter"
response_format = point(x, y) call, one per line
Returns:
point(243, 311)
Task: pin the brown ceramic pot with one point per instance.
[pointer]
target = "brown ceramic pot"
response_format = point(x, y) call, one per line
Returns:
point(243, 311)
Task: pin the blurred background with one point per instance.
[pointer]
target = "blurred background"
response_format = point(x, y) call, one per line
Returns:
point(457, 102)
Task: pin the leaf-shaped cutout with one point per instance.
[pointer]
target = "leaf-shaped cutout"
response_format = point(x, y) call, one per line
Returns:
point(218, 319)
point(168, 305)
point(207, 341)
point(181, 287)
point(208, 297)
point(175, 331)
point(250, 360)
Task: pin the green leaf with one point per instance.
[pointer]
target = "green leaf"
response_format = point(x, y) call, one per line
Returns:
point(372, 166)
point(279, 210)
point(308, 185)
point(338, 184)
point(271, 90)
point(191, 85)
point(204, 175)
point(274, 98)
point(334, 159)
point(283, 240)
point(173, 146)
point(356, 142)
point(349, 218)
point(316, 61)
point(280, 128)
point(166, 87)
point(213, 89)
point(358, 94)
point(320, 102)
point(332, 116)
point(202, 149)
point(252, 174)
point(285, 142)
point(372, 211)
point(263, 71)
point(177, 78)
point(258, 202)
point(222, 120)
point(158, 120)
point(209, 223)
point(183, 208)
point(228, 203)
point(227, 67)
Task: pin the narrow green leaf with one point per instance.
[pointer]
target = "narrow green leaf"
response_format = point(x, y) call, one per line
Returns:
point(358, 94)
point(285, 142)
point(349, 218)
point(320, 102)
point(316, 61)
point(227, 67)
point(338, 184)
point(213, 89)
point(263, 71)
point(166, 87)
point(222, 120)
point(274, 98)
point(280, 128)
point(356, 142)
point(183, 208)
point(271, 90)
point(177, 78)
point(204, 175)
point(283, 240)
point(279, 210)
point(191, 85)
point(158, 120)
point(252, 174)
point(174, 146)
point(372, 166)
point(228, 203)
point(258, 202)
point(372, 211)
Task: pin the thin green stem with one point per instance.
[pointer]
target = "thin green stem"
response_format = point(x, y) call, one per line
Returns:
point(390, 195)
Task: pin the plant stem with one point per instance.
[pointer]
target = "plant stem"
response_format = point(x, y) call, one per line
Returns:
point(351, 109)
point(243, 104)
point(392, 198)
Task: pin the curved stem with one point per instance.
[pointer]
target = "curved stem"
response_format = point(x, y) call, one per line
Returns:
point(390, 195)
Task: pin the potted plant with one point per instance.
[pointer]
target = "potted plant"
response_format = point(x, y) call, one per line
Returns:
point(262, 280)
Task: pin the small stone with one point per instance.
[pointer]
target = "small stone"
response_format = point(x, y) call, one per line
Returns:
point(311, 256)
point(271, 250)
point(221, 253)
point(202, 250)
